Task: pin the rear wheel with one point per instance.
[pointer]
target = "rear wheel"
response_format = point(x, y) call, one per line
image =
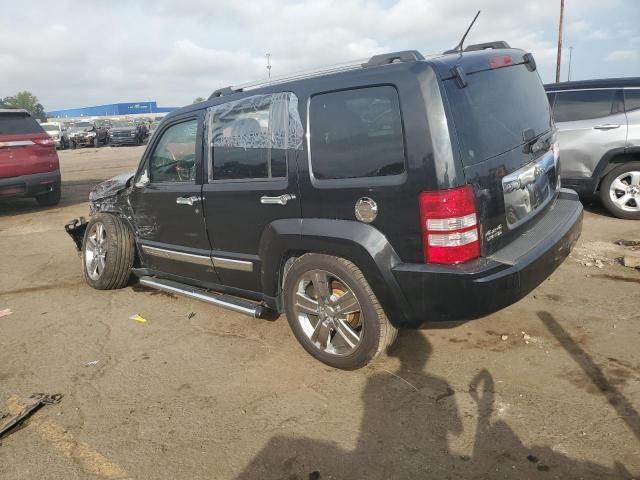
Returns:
point(334, 313)
point(107, 252)
point(620, 191)
point(51, 198)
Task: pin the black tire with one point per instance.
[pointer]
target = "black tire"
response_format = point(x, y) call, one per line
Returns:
point(376, 333)
point(96, 142)
point(119, 252)
point(51, 198)
point(605, 192)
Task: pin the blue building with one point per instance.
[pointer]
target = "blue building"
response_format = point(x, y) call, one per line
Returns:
point(112, 109)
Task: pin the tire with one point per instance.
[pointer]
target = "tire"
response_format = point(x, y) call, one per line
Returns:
point(51, 198)
point(324, 333)
point(108, 251)
point(96, 142)
point(73, 145)
point(620, 191)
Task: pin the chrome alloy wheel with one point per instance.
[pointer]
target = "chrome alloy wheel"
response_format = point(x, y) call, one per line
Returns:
point(95, 251)
point(625, 191)
point(328, 312)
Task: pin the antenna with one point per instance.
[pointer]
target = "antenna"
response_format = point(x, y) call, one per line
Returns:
point(458, 48)
point(268, 55)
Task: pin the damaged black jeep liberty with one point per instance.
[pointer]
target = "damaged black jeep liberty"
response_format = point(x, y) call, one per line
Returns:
point(357, 200)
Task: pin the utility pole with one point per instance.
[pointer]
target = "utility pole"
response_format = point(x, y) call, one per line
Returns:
point(559, 60)
point(268, 55)
point(570, 58)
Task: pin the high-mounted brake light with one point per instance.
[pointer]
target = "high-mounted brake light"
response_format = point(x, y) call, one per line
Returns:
point(500, 61)
point(449, 225)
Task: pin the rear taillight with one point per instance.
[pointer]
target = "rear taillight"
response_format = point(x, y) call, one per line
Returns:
point(44, 141)
point(449, 225)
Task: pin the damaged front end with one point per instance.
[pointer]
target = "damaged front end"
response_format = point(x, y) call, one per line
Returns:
point(108, 196)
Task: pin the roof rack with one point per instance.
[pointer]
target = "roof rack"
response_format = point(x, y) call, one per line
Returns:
point(487, 45)
point(376, 60)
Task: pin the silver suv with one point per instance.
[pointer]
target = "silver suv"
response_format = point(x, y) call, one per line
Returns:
point(599, 136)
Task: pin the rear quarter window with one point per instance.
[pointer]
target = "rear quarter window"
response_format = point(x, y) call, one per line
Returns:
point(18, 123)
point(356, 133)
point(632, 100)
point(585, 104)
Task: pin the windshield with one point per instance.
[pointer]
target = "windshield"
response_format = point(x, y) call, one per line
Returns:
point(122, 124)
point(50, 127)
point(493, 112)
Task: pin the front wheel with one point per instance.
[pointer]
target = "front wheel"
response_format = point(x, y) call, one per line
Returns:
point(334, 313)
point(107, 252)
point(620, 191)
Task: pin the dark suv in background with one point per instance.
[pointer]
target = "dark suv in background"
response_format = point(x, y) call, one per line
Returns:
point(358, 200)
point(598, 125)
point(29, 165)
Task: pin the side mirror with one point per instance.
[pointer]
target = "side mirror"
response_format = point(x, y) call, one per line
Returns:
point(143, 181)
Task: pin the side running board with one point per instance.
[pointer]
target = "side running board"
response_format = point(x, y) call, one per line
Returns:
point(225, 301)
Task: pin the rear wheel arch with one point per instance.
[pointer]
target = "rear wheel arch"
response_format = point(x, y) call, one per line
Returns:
point(611, 160)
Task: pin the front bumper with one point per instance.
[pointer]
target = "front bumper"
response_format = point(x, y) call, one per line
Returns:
point(80, 141)
point(474, 289)
point(124, 141)
point(29, 185)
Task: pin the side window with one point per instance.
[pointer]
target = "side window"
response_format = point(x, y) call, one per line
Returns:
point(250, 138)
point(584, 105)
point(632, 99)
point(356, 133)
point(174, 158)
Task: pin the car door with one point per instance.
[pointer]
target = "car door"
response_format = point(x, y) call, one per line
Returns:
point(590, 124)
point(632, 108)
point(252, 180)
point(167, 203)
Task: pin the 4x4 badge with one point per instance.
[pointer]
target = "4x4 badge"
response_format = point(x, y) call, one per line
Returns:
point(366, 210)
point(493, 233)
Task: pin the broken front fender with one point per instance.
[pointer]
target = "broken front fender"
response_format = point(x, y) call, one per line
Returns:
point(76, 228)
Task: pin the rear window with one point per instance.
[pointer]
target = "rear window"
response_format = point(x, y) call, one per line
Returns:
point(494, 110)
point(18, 123)
point(585, 105)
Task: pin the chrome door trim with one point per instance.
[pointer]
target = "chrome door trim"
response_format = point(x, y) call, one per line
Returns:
point(232, 264)
point(177, 256)
point(16, 143)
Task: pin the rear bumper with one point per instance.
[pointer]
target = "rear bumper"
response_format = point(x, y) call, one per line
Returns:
point(464, 292)
point(29, 185)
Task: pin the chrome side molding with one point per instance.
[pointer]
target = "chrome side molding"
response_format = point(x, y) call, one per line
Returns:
point(218, 262)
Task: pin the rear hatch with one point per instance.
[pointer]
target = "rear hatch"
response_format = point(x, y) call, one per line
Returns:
point(506, 139)
point(25, 148)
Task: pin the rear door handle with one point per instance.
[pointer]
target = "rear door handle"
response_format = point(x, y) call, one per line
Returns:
point(606, 126)
point(281, 200)
point(188, 200)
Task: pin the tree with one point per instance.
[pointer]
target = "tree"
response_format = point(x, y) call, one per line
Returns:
point(199, 99)
point(27, 101)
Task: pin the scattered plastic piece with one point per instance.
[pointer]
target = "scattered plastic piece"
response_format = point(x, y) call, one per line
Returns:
point(90, 364)
point(5, 312)
point(33, 403)
point(191, 315)
point(504, 337)
point(138, 318)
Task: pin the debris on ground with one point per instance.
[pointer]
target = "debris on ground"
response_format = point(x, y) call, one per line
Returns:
point(92, 363)
point(191, 315)
point(5, 312)
point(33, 403)
point(138, 318)
point(504, 337)
point(526, 337)
point(631, 261)
point(633, 244)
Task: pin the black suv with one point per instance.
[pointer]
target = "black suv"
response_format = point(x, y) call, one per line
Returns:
point(357, 200)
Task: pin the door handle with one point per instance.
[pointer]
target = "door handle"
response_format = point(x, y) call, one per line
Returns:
point(188, 200)
point(606, 126)
point(281, 200)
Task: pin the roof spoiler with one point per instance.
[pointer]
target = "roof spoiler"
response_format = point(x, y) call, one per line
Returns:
point(223, 91)
point(488, 45)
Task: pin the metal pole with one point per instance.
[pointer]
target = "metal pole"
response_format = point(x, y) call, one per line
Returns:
point(559, 60)
point(268, 55)
point(570, 58)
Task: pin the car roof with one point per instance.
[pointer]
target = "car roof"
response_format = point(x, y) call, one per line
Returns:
point(14, 110)
point(471, 58)
point(595, 83)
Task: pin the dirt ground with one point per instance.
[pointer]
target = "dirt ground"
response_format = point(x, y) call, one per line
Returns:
point(547, 388)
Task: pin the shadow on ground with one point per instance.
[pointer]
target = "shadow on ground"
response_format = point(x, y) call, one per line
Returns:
point(405, 425)
point(73, 192)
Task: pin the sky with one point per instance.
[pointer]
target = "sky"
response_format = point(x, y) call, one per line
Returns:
point(73, 53)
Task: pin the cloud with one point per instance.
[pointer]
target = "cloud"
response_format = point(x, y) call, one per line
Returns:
point(623, 56)
point(174, 51)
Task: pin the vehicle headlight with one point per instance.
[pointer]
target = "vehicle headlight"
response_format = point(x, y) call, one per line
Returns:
point(91, 134)
point(133, 134)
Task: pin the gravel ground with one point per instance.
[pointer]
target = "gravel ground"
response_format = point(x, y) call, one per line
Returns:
point(547, 388)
